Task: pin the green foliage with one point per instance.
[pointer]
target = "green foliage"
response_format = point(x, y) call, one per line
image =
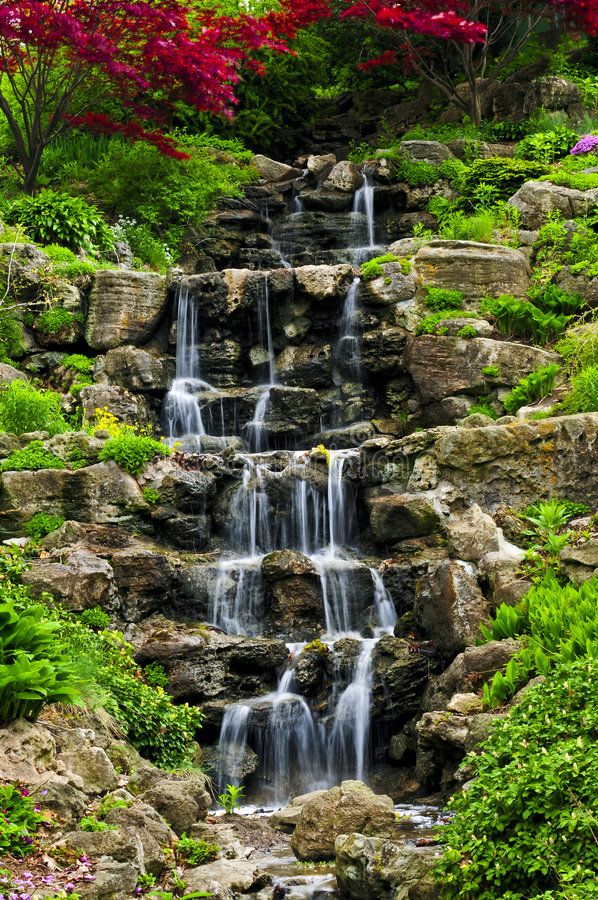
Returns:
point(147, 249)
point(11, 337)
point(33, 457)
point(430, 325)
point(532, 388)
point(150, 495)
point(579, 346)
point(41, 524)
point(556, 247)
point(55, 320)
point(230, 798)
point(91, 823)
point(552, 298)
point(527, 823)
point(415, 173)
point(155, 674)
point(468, 331)
point(57, 218)
point(442, 299)
point(132, 451)
point(373, 268)
point(583, 394)
point(195, 852)
point(24, 408)
point(501, 173)
point(514, 317)
point(19, 821)
point(78, 362)
point(548, 516)
point(484, 408)
point(576, 180)
point(34, 665)
point(491, 371)
point(67, 265)
point(95, 618)
point(547, 146)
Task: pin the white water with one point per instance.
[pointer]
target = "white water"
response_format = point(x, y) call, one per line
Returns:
point(256, 428)
point(346, 353)
point(363, 204)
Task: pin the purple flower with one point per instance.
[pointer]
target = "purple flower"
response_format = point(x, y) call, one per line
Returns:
point(89, 877)
point(44, 792)
point(83, 858)
point(69, 887)
point(585, 144)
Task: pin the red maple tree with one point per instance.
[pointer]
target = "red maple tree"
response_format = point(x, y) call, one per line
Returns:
point(61, 59)
point(444, 40)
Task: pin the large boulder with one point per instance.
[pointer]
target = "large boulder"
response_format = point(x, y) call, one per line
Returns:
point(102, 494)
point(323, 283)
point(350, 807)
point(450, 607)
point(479, 270)
point(180, 801)
point(518, 463)
point(472, 534)
point(132, 409)
point(309, 365)
point(272, 170)
point(79, 581)
point(536, 200)
point(395, 516)
point(135, 369)
point(124, 308)
point(26, 263)
point(345, 177)
point(444, 366)
point(226, 878)
point(426, 151)
point(468, 671)
point(382, 869)
point(293, 594)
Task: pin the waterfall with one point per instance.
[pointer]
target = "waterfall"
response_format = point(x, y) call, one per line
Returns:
point(349, 738)
point(363, 204)
point(232, 744)
point(182, 411)
point(346, 353)
point(384, 608)
point(256, 428)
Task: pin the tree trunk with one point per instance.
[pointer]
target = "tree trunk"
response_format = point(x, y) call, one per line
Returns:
point(31, 169)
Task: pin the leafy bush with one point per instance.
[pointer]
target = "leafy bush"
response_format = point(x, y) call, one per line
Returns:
point(521, 318)
point(23, 408)
point(468, 331)
point(503, 174)
point(11, 337)
point(19, 821)
point(132, 451)
point(415, 173)
point(373, 268)
point(230, 798)
point(546, 146)
point(91, 823)
point(34, 665)
point(78, 362)
point(195, 852)
point(583, 395)
point(442, 299)
point(53, 218)
point(33, 457)
point(531, 388)
point(491, 371)
point(527, 823)
point(56, 320)
point(146, 247)
point(155, 674)
point(95, 618)
point(552, 298)
point(483, 408)
point(41, 524)
point(430, 324)
point(67, 265)
point(479, 227)
point(150, 495)
point(579, 181)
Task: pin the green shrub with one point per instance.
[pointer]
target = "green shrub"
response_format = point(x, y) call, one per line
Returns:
point(552, 298)
point(23, 408)
point(55, 320)
point(78, 362)
point(132, 451)
point(468, 331)
point(155, 674)
point(514, 317)
point(41, 524)
point(532, 388)
point(195, 852)
point(150, 495)
point(67, 265)
point(527, 823)
point(579, 346)
point(19, 821)
point(442, 299)
point(95, 617)
point(483, 408)
point(91, 823)
point(147, 249)
point(576, 180)
point(503, 174)
point(547, 146)
point(491, 371)
point(33, 457)
point(35, 669)
point(11, 337)
point(415, 173)
point(373, 268)
point(430, 324)
point(53, 218)
point(583, 395)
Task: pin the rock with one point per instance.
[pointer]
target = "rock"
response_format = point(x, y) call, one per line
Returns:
point(272, 170)
point(317, 164)
point(26, 261)
point(323, 283)
point(92, 766)
point(465, 704)
point(124, 308)
point(580, 560)
point(143, 578)
point(285, 819)
point(444, 366)
point(135, 369)
point(345, 177)
point(121, 845)
point(113, 881)
point(26, 752)
point(426, 151)
point(153, 831)
point(450, 606)
point(9, 374)
point(309, 365)
point(501, 573)
point(81, 581)
point(395, 516)
point(462, 733)
point(75, 446)
point(182, 802)
point(292, 412)
point(535, 200)
point(551, 92)
point(393, 286)
point(469, 671)
point(381, 869)
point(340, 810)
point(519, 463)
point(237, 875)
point(472, 534)
point(382, 351)
point(129, 408)
point(400, 677)
point(480, 270)
point(452, 327)
point(102, 494)
point(398, 746)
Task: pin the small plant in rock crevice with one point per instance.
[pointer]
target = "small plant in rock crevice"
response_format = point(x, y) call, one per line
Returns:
point(20, 819)
point(230, 799)
point(33, 457)
point(532, 388)
point(195, 852)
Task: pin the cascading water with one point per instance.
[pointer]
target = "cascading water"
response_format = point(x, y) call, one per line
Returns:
point(346, 355)
point(363, 205)
point(256, 428)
